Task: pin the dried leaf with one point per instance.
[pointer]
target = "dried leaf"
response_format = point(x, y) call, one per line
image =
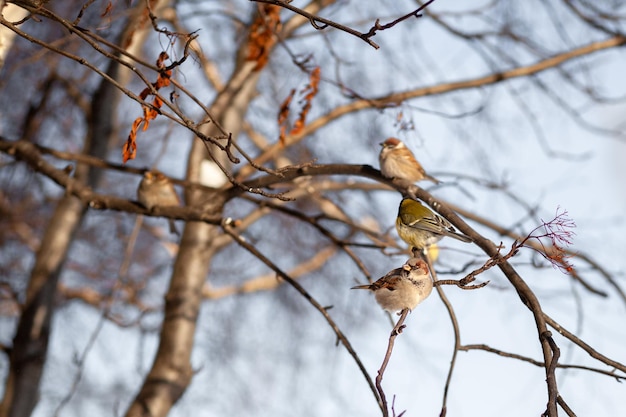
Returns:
point(310, 91)
point(163, 80)
point(144, 93)
point(129, 150)
point(160, 63)
point(107, 10)
point(283, 115)
point(261, 37)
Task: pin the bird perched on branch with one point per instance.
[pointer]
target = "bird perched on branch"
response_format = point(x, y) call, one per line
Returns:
point(397, 161)
point(420, 227)
point(403, 287)
point(155, 189)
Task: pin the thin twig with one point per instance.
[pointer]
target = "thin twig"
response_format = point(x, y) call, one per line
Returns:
point(315, 20)
point(459, 283)
point(397, 329)
point(313, 221)
point(486, 348)
point(560, 401)
point(228, 229)
point(506, 231)
point(591, 351)
point(80, 361)
point(377, 26)
point(30, 154)
point(457, 336)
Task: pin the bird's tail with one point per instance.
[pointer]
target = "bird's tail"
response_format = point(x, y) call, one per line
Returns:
point(361, 287)
point(461, 237)
point(432, 179)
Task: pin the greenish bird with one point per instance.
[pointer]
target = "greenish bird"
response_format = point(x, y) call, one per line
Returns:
point(420, 227)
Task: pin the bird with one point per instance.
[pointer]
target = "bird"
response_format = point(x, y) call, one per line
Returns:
point(155, 189)
point(397, 161)
point(420, 227)
point(403, 287)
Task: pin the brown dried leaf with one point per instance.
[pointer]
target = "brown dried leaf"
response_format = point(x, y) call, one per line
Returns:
point(129, 150)
point(261, 37)
point(310, 91)
point(283, 115)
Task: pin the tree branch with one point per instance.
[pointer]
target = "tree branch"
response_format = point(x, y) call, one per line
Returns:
point(228, 229)
point(486, 348)
point(29, 153)
point(314, 20)
point(397, 329)
point(393, 100)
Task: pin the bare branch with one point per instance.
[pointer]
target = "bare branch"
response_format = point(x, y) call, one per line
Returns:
point(228, 229)
point(486, 348)
point(584, 346)
point(269, 282)
point(504, 231)
point(457, 337)
point(29, 153)
point(316, 20)
point(526, 295)
point(397, 329)
point(377, 26)
point(393, 100)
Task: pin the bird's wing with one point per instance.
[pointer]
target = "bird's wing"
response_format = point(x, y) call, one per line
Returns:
point(408, 165)
point(437, 225)
point(433, 224)
point(388, 282)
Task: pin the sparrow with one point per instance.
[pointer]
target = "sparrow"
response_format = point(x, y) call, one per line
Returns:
point(155, 189)
point(397, 161)
point(421, 227)
point(403, 287)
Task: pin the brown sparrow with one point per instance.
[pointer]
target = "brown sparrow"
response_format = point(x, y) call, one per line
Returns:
point(403, 287)
point(397, 161)
point(155, 189)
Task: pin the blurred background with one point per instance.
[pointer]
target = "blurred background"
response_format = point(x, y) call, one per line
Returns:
point(518, 107)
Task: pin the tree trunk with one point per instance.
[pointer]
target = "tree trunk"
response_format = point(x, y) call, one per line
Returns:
point(29, 350)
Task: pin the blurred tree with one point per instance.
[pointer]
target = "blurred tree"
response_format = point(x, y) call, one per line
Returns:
point(277, 109)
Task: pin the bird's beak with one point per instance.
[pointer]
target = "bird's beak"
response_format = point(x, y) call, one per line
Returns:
point(382, 144)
